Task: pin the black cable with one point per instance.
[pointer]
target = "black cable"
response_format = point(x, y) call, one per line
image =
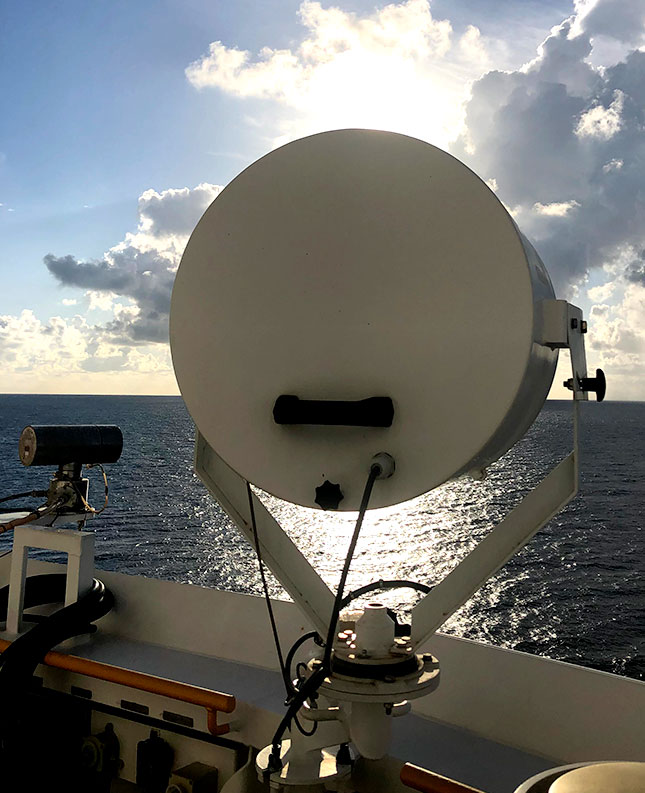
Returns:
point(28, 494)
point(375, 471)
point(300, 677)
point(274, 628)
point(313, 683)
point(376, 585)
point(301, 729)
point(400, 628)
point(39, 589)
point(294, 649)
point(19, 661)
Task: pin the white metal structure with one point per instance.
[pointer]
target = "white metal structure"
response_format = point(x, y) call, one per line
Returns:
point(79, 547)
point(356, 265)
point(342, 267)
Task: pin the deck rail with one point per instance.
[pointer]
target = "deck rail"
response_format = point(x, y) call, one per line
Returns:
point(417, 778)
point(214, 701)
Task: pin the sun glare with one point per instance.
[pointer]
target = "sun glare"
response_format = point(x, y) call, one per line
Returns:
point(374, 92)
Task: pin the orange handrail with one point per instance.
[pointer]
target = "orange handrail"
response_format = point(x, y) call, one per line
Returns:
point(213, 701)
point(428, 782)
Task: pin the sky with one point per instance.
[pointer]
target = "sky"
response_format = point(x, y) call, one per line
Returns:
point(121, 121)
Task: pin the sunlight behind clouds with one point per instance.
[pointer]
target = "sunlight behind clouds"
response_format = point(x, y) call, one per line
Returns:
point(398, 69)
point(557, 134)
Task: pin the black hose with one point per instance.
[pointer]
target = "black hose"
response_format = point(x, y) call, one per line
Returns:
point(294, 649)
point(398, 583)
point(39, 589)
point(28, 494)
point(19, 661)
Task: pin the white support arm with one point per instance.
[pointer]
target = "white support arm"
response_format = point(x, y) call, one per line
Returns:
point(279, 553)
point(517, 528)
point(560, 325)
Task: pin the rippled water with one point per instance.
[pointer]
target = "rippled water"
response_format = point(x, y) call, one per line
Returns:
point(574, 593)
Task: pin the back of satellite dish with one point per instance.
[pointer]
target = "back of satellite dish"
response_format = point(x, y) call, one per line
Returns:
point(356, 320)
point(356, 292)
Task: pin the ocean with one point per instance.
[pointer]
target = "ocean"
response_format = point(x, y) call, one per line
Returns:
point(574, 593)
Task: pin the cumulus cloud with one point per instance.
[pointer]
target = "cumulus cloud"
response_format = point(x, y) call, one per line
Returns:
point(141, 267)
point(618, 341)
point(95, 275)
point(602, 122)
point(557, 209)
point(564, 142)
point(170, 216)
point(563, 139)
point(27, 343)
point(125, 352)
point(635, 270)
point(396, 68)
point(122, 273)
point(612, 165)
point(101, 301)
point(623, 20)
point(66, 355)
point(560, 140)
point(601, 293)
point(407, 29)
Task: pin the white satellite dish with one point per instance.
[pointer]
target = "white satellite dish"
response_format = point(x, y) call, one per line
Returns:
point(353, 298)
point(350, 265)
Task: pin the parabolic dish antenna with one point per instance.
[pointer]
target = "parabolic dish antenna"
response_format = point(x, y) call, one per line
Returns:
point(350, 265)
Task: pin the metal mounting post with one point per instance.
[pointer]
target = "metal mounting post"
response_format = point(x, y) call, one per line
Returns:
point(79, 547)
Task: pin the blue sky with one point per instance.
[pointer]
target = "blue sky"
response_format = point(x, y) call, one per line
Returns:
point(101, 106)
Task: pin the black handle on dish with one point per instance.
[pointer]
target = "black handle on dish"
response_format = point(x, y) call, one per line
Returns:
point(371, 412)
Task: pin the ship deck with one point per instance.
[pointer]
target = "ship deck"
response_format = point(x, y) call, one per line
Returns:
point(497, 718)
point(448, 750)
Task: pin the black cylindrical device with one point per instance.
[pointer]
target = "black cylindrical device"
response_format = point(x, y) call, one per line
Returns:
point(54, 444)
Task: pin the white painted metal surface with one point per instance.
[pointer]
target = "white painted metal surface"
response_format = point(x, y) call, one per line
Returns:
point(79, 547)
point(602, 777)
point(353, 264)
